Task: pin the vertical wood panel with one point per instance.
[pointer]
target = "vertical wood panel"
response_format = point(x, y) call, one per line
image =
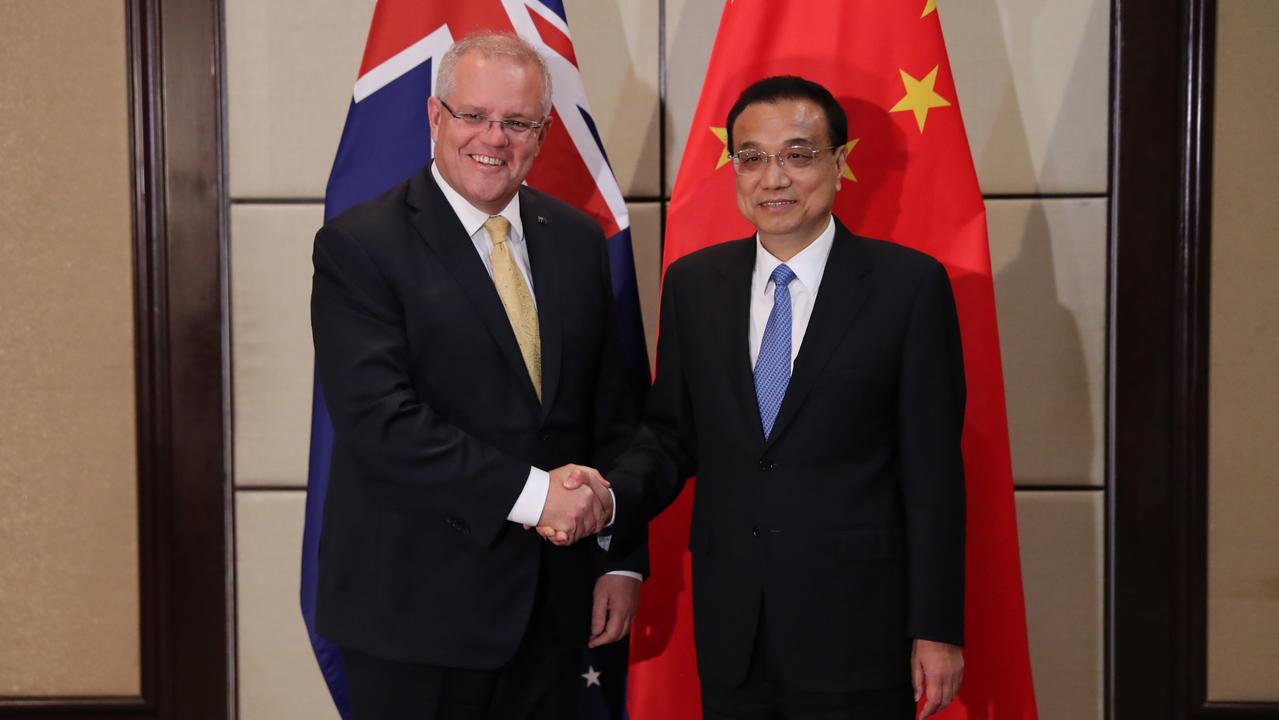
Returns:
point(68, 471)
point(1243, 426)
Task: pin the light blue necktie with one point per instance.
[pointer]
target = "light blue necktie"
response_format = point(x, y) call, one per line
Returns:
point(772, 367)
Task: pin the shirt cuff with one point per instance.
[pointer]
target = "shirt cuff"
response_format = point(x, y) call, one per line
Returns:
point(528, 506)
point(627, 573)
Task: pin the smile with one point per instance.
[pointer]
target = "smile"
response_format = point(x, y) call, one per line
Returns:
point(776, 203)
point(488, 160)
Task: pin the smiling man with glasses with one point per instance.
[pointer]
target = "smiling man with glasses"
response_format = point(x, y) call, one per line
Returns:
point(467, 349)
point(813, 381)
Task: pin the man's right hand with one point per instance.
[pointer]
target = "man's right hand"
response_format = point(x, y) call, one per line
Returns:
point(578, 504)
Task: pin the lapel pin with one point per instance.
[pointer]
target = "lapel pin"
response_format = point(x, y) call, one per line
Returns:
point(541, 220)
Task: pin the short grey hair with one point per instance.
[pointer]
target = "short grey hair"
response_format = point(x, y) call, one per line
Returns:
point(494, 44)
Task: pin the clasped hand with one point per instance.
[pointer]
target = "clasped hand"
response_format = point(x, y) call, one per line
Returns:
point(578, 504)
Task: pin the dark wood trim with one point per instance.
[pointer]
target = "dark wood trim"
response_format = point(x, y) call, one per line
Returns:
point(1161, 299)
point(195, 521)
point(1148, 507)
point(1193, 286)
point(181, 353)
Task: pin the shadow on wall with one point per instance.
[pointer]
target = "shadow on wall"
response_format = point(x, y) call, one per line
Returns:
point(634, 142)
point(1058, 56)
point(1050, 413)
point(1002, 153)
point(1050, 404)
point(1059, 169)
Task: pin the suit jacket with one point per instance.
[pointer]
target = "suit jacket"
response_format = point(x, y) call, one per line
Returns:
point(847, 524)
point(437, 423)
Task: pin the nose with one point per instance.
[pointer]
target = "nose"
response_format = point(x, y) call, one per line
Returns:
point(494, 134)
point(774, 176)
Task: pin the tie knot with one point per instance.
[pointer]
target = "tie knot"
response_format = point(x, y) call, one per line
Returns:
point(498, 227)
point(782, 275)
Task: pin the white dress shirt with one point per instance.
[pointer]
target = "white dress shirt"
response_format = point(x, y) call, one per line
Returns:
point(808, 265)
point(528, 506)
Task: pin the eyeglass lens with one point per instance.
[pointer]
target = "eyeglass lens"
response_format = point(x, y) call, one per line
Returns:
point(795, 157)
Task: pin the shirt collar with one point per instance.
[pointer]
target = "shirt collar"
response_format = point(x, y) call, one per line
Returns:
point(808, 264)
point(472, 217)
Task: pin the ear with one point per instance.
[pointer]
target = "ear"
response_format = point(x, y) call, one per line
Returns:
point(841, 164)
point(433, 111)
point(546, 128)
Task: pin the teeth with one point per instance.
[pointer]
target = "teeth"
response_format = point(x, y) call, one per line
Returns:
point(486, 160)
point(776, 203)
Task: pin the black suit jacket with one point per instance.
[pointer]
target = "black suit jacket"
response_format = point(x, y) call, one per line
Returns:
point(847, 524)
point(437, 424)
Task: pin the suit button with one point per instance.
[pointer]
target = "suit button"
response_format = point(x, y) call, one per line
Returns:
point(765, 464)
point(546, 437)
point(755, 532)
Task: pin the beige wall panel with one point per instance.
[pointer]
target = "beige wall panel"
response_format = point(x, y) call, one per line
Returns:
point(646, 238)
point(271, 340)
point(291, 66)
point(278, 675)
point(68, 469)
point(1033, 79)
point(616, 46)
point(1061, 536)
point(1243, 568)
point(690, 33)
point(1049, 260)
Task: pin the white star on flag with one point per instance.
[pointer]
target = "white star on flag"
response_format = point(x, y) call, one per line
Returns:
point(592, 676)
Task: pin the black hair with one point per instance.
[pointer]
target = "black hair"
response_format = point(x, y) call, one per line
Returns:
point(792, 87)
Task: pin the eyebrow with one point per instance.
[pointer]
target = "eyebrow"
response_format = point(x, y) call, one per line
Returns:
point(785, 143)
point(485, 112)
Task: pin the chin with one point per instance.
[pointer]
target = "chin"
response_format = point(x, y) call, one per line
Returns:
point(488, 192)
point(776, 228)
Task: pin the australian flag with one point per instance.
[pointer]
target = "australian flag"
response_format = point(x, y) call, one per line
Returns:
point(387, 140)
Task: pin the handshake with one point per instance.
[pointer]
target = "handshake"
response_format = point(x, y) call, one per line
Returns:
point(578, 504)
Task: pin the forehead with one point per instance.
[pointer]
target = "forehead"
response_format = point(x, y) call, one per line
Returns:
point(780, 122)
point(496, 80)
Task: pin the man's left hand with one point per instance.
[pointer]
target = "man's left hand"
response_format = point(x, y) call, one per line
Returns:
point(616, 600)
point(936, 670)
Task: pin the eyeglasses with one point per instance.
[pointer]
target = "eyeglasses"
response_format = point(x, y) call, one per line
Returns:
point(511, 126)
point(796, 157)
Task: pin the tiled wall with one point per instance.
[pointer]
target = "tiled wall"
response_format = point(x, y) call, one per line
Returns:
point(1032, 79)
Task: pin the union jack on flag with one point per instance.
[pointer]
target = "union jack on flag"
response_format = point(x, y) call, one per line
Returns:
point(387, 139)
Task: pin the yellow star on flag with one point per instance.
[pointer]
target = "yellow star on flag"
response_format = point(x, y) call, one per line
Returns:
point(929, 8)
point(920, 96)
point(847, 174)
point(722, 134)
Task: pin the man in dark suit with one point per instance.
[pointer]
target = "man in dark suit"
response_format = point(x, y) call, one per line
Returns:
point(813, 381)
point(465, 341)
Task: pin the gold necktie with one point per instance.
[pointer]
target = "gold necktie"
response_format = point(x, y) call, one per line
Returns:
point(517, 300)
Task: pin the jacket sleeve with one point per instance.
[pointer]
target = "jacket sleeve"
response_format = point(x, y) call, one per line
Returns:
point(619, 393)
point(931, 397)
point(650, 474)
point(408, 455)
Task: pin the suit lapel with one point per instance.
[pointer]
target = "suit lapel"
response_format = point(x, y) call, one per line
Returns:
point(546, 285)
point(440, 229)
point(734, 324)
point(843, 290)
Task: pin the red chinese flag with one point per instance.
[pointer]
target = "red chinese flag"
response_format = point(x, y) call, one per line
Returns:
point(911, 181)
